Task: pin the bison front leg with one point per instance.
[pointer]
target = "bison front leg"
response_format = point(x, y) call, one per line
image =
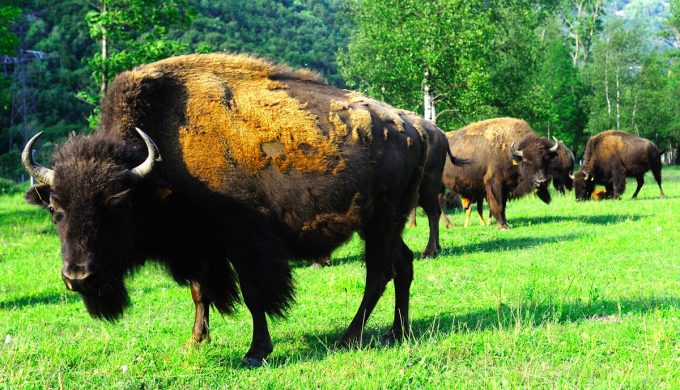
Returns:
point(379, 238)
point(618, 185)
point(496, 200)
point(261, 344)
point(640, 182)
point(201, 331)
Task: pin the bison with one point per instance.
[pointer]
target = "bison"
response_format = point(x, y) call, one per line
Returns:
point(430, 196)
point(561, 171)
point(508, 161)
point(610, 157)
point(247, 164)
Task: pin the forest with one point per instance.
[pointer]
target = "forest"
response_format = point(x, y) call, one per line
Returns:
point(571, 68)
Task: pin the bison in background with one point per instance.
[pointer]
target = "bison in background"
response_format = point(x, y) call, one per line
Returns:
point(610, 157)
point(508, 161)
point(260, 164)
point(561, 171)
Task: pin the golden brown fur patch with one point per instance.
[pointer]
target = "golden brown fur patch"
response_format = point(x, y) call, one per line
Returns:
point(362, 125)
point(385, 112)
point(258, 111)
point(498, 130)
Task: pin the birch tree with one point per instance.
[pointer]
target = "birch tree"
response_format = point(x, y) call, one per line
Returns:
point(427, 56)
point(582, 19)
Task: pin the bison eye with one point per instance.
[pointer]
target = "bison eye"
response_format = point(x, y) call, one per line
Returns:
point(50, 209)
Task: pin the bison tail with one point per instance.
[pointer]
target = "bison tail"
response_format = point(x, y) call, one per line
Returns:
point(457, 160)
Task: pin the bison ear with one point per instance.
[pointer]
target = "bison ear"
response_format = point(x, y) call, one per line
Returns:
point(116, 200)
point(39, 195)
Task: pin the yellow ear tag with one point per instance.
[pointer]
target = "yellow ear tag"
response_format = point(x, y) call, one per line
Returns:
point(163, 192)
point(514, 162)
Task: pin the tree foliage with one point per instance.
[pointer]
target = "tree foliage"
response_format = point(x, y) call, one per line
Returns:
point(8, 44)
point(130, 33)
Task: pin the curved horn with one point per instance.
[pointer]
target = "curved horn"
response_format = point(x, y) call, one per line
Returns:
point(571, 175)
point(143, 169)
point(553, 149)
point(42, 174)
point(516, 152)
point(587, 175)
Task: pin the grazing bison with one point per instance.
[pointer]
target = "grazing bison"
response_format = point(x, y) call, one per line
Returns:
point(260, 164)
point(508, 161)
point(610, 157)
point(561, 171)
point(431, 188)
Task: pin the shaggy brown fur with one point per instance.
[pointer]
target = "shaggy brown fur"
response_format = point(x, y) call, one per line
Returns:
point(562, 169)
point(495, 174)
point(260, 164)
point(610, 157)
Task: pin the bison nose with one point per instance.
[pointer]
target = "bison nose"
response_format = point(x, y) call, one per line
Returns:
point(77, 281)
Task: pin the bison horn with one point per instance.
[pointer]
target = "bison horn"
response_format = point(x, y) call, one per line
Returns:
point(42, 174)
point(571, 175)
point(516, 152)
point(143, 169)
point(553, 149)
point(586, 175)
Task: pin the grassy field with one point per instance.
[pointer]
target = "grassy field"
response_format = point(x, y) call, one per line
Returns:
point(575, 295)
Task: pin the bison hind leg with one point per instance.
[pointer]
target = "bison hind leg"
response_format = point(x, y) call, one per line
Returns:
point(403, 267)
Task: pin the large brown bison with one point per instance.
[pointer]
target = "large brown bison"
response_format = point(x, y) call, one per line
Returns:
point(260, 164)
point(561, 171)
point(431, 188)
point(508, 161)
point(610, 157)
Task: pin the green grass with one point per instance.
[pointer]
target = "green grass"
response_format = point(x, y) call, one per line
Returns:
point(575, 295)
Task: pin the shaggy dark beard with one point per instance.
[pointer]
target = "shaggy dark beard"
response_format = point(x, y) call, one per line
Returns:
point(543, 193)
point(108, 302)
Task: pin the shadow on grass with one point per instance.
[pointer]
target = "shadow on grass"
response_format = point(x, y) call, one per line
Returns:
point(498, 245)
point(39, 299)
point(602, 219)
point(528, 315)
point(506, 244)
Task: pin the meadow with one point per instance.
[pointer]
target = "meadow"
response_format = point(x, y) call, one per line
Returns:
point(583, 295)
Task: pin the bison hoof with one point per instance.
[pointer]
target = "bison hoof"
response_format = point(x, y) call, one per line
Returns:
point(194, 343)
point(348, 342)
point(393, 336)
point(503, 227)
point(449, 225)
point(250, 362)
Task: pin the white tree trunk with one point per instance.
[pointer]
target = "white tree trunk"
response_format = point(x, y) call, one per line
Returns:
point(618, 100)
point(606, 89)
point(429, 111)
point(104, 53)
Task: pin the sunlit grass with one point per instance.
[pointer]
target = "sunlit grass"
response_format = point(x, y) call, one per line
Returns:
point(575, 295)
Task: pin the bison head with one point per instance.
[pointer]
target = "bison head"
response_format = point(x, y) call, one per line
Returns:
point(584, 185)
point(562, 166)
point(90, 196)
point(533, 157)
